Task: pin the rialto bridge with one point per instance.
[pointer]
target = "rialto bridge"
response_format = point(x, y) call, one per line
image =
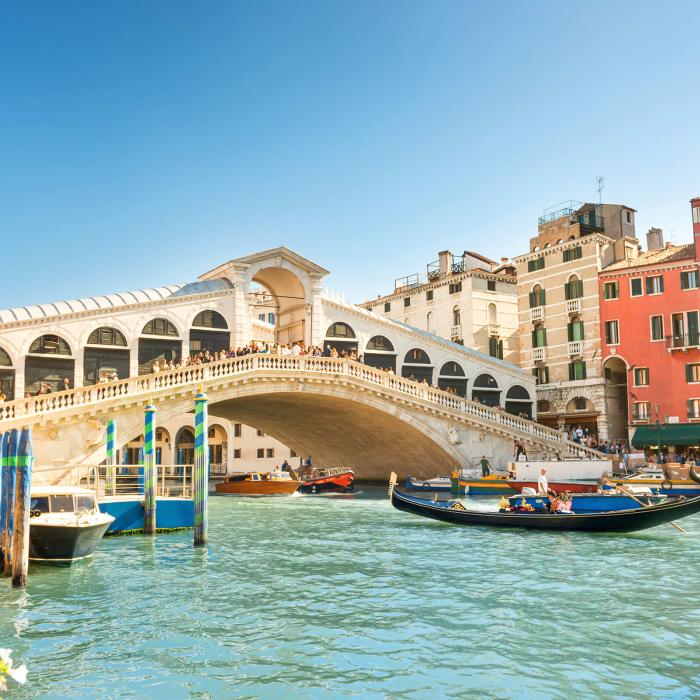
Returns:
point(338, 410)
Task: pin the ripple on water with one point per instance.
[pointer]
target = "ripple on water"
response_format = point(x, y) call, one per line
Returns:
point(324, 598)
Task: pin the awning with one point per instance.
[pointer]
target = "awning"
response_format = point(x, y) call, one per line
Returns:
point(667, 434)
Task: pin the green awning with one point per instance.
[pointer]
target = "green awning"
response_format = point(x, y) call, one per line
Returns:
point(667, 434)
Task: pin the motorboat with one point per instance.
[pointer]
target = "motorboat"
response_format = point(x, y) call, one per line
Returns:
point(663, 480)
point(259, 483)
point(65, 524)
point(491, 485)
point(437, 484)
point(629, 520)
point(328, 480)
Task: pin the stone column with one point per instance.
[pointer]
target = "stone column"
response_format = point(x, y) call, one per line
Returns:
point(241, 331)
point(317, 330)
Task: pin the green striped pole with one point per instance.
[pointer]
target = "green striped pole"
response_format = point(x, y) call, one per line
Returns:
point(111, 485)
point(149, 468)
point(200, 493)
point(9, 465)
point(20, 536)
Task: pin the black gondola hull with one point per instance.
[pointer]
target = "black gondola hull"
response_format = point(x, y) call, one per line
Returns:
point(612, 521)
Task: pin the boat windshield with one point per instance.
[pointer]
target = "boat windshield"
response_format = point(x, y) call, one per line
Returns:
point(40, 503)
point(62, 503)
point(84, 502)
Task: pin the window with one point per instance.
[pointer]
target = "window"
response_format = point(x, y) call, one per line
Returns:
point(340, 330)
point(237, 430)
point(641, 376)
point(575, 330)
point(572, 254)
point(261, 317)
point(260, 433)
point(456, 316)
point(491, 285)
point(611, 290)
point(271, 318)
point(210, 433)
point(455, 287)
point(573, 289)
point(537, 298)
point(696, 215)
point(292, 454)
point(387, 307)
point(406, 301)
point(270, 452)
point(657, 327)
point(689, 279)
point(429, 322)
point(655, 285)
point(580, 404)
point(536, 264)
point(693, 408)
point(541, 375)
point(209, 319)
point(495, 347)
point(636, 289)
point(577, 370)
point(692, 373)
point(159, 326)
point(640, 410)
point(107, 336)
point(429, 295)
point(539, 337)
point(628, 216)
point(261, 453)
point(237, 454)
point(612, 332)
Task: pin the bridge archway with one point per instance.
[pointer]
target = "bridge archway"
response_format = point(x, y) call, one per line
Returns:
point(48, 364)
point(417, 365)
point(340, 336)
point(106, 353)
point(519, 401)
point(452, 378)
point(7, 376)
point(160, 340)
point(380, 353)
point(486, 390)
point(289, 300)
point(209, 331)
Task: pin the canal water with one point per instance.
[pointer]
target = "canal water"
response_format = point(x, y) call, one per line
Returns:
point(318, 597)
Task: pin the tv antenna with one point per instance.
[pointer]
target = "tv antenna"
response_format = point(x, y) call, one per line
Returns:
point(600, 186)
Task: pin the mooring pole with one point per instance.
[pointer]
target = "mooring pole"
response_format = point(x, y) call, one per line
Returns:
point(201, 469)
point(20, 536)
point(9, 461)
point(111, 480)
point(149, 470)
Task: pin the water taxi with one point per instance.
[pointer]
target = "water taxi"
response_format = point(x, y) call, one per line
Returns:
point(491, 485)
point(65, 524)
point(259, 484)
point(664, 480)
point(328, 480)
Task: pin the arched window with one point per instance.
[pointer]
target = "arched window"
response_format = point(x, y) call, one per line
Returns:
point(210, 319)
point(518, 401)
point(106, 357)
point(493, 314)
point(456, 316)
point(575, 329)
point(48, 366)
point(573, 289)
point(5, 360)
point(486, 390)
point(160, 326)
point(416, 356)
point(452, 379)
point(537, 296)
point(340, 330)
point(105, 335)
point(543, 406)
point(429, 322)
point(7, 376)
point(379, 344)
point(49, 345)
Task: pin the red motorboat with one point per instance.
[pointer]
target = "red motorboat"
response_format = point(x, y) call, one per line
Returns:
point(583, 486)
point(328, 480)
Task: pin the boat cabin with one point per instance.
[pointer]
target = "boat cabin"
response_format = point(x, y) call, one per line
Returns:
point(61, 499)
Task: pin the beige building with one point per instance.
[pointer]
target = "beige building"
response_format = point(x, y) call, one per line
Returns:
point(559, 314)
point(468, 298)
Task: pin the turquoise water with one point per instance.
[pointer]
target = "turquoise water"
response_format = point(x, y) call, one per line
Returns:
point(317, 597)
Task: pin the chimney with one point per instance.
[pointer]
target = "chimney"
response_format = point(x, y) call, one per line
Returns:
point(655, 239)
point(445, 259)
point(695, 204)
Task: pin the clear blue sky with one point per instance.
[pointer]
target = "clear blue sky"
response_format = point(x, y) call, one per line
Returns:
point(142, 143)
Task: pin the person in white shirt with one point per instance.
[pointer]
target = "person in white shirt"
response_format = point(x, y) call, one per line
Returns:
point(542, 484)
point(296, 350)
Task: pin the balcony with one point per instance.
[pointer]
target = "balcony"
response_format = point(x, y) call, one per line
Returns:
point(539, 354)
point(494, 329)
point(537, 314)
point(573, 306)
point(683, 342)
point(456, 331)
point(575, 348)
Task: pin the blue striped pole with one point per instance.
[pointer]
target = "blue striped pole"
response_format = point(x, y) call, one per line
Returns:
point(200, 491)
point(20, 537)
point(149, 470)
point(4, 438)
point(112, 457)
point(10, 442)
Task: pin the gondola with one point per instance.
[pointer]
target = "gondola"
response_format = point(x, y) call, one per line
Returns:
point(611, 521)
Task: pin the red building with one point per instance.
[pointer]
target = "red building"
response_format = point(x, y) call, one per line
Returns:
point(650, 334)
